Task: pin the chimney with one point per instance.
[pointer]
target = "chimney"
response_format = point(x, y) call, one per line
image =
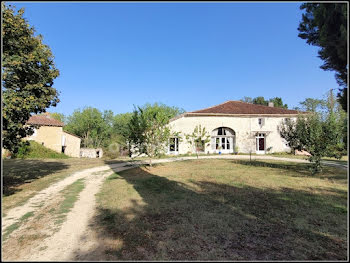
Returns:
point(270, 104)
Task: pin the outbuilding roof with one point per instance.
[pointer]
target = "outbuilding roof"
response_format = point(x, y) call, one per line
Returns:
point(44, 120)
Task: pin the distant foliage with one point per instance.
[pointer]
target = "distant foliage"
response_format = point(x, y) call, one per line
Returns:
point(277, 101)
point(93, 126)
point(28, 73)
point(260, 100)
point(312, 105)
point(58, 116)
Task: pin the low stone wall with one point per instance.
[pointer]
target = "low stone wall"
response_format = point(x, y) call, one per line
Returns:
point(302, 153)
point(91, 152)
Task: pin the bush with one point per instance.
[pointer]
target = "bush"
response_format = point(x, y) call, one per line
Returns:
point(112, 151)
point(23, 149)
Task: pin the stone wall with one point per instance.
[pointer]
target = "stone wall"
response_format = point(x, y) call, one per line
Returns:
point(72, 144)
point(48, 136)
point(91, 153)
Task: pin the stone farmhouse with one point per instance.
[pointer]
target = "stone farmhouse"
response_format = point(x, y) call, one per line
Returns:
point(49, 133)
point(233, 126)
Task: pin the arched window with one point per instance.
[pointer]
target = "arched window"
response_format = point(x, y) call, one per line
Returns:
point(223, 139)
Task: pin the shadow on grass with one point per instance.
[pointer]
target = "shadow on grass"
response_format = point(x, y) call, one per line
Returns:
point(18, 172)
point(301, 169)
point(212, 221)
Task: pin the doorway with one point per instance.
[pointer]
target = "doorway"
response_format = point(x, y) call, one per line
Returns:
point(260, 143)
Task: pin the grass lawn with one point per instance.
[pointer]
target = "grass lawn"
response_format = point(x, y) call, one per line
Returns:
point(223, 210)
point(23, 178)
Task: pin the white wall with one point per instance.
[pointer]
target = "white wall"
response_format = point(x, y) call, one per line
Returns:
point(244, 127)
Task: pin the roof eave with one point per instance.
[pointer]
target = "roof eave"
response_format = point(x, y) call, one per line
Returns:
point(189, 114)
point(37, 124)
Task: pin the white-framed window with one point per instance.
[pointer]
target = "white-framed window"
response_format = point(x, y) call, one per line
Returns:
point(173, 144)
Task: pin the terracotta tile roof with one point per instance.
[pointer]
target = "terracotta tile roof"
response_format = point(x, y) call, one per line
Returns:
point(239, 107)
point(45, 120)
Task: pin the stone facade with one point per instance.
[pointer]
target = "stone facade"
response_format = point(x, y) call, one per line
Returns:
point(56, 139)
point(72, 144)
point(246, 130)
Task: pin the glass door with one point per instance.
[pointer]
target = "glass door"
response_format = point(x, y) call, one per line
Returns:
point(260, 143)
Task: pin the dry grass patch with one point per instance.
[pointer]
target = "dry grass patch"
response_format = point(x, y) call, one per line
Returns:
point(223, 210)
point(22, 179)
point(44, 223)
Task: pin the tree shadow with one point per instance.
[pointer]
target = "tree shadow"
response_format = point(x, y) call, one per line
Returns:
point(302, 169)
point(18, 172)
point(212, 221)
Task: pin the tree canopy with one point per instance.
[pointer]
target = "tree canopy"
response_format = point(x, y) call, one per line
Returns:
point(58, 116)
point(312, 105)
point(148, 130)
point(277, 101)
point(322, 133)
point(325, 25)
point(93, 126)
point(28, 76)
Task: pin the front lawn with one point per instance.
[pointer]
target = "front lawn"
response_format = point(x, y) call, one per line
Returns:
point(223, 210)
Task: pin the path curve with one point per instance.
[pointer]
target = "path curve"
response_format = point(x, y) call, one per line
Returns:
point(61, 245)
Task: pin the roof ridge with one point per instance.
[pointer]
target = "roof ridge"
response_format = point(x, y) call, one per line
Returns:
point(41, 119)
point(235, 107)
point(211, 106)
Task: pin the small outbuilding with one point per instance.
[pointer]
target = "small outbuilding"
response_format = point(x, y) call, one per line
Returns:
point(49, 133)
point(91, 152)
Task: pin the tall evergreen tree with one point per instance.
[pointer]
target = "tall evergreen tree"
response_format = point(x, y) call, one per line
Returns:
point(325, 25)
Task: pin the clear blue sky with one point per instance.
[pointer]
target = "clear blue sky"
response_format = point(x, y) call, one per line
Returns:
point(191, 55)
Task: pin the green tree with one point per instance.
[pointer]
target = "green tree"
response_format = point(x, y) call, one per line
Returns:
point(28, 72)
point(120, 130)
point(198, 138)
point(91, 125)
point(58, 116)
point(247, 99)
point(290, 132)
point(260, 100)
point(312, 105)
point(149, 132)
point(168, 111)
point(277, 102)
point(325, 25)
point(320, 138)
point(120, 124)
